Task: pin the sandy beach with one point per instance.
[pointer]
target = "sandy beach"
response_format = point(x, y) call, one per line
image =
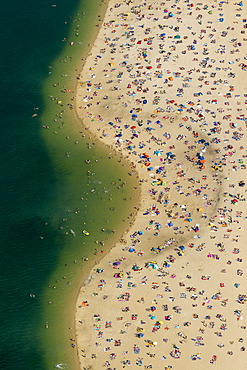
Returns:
point(165, 86)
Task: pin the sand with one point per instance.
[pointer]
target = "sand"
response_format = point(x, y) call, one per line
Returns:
point(164, 85)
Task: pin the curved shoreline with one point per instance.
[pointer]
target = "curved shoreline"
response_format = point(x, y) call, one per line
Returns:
point(74, 125)
point(191, 176)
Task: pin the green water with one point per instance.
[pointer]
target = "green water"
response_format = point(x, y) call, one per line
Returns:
point(90, 196)
point(41, 187)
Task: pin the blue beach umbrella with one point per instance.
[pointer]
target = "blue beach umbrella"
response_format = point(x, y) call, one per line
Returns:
point(139, 335)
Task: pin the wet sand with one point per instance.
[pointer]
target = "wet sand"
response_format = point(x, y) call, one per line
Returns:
point(164, 85)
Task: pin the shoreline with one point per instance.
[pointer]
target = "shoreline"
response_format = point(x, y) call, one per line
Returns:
point(71, 117)
point(193, 249)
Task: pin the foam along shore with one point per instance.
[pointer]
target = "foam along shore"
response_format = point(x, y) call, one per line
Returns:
point(164, 85)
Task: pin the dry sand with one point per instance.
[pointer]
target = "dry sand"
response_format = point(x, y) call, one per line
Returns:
point(165, 85)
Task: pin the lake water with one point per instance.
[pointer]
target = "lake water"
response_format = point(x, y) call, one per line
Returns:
point(47, 187)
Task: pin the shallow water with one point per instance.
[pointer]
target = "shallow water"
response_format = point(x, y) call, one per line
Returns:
point(42, 186)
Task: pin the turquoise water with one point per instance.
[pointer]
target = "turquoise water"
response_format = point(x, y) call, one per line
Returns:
point(46, 189)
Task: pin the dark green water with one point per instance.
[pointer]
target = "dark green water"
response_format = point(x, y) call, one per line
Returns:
point(44, 191)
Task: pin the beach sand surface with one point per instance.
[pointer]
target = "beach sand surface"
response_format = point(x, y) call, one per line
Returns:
point(165, 86)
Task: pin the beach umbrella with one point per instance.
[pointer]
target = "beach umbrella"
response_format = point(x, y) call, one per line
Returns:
point(84, 304)
point(131, 250)
point(145, 101)
point(139, 335)
point(118, 275)
point(188, 220)
point(140, 330)
point(135, 268)
point(140, 232)
point(152, 264)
